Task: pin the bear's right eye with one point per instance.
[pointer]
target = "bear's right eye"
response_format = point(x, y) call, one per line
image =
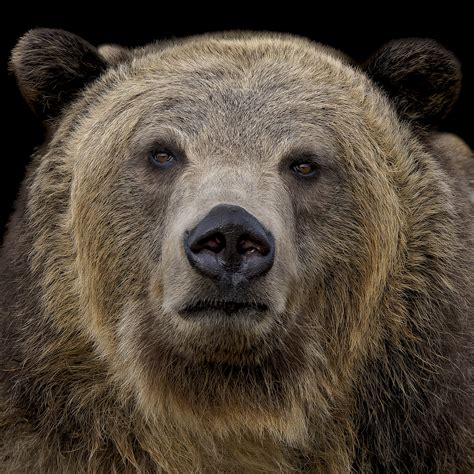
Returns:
point(162, 158)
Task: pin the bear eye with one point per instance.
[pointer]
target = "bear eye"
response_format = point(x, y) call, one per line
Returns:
point(161, 157)
point(304, 168)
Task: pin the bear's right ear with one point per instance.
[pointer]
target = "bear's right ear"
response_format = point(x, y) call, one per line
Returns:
point(51, 67)
point(422, 78)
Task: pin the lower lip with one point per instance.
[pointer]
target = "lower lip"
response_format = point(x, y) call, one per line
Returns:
point(228, 313)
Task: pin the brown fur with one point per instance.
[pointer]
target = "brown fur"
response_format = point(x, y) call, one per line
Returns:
point(363, 361)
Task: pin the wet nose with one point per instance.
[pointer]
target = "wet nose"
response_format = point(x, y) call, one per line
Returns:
point(230, 245)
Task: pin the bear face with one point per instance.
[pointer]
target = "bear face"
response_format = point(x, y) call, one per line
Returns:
point(236, 120)
point(233, 223)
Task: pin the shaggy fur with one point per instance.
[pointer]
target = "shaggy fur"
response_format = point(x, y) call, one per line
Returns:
point(361, 363)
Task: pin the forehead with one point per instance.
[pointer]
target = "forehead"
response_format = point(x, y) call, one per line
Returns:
point(252, 88)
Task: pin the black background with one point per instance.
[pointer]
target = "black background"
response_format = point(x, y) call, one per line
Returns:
point(357, 33)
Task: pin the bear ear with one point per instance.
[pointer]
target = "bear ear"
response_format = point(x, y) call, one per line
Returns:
point(421, 77)
point(51, 67)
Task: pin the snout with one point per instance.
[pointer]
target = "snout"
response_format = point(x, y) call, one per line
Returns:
point(230, 246)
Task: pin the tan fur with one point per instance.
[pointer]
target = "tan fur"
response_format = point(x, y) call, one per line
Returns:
point(115, 381)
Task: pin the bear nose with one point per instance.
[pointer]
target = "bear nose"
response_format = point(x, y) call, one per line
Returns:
point(230, 245)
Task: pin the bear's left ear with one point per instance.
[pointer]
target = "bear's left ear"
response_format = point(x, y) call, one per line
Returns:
point(421, 77)
point(52, 66)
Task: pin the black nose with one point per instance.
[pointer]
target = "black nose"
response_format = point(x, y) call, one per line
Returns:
point(230, 245)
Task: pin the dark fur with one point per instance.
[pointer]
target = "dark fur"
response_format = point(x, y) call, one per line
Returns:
point(52, 66)
point(426, 87)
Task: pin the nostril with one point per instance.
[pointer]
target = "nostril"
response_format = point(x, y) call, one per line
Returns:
point(247, 245)
point(215, 243)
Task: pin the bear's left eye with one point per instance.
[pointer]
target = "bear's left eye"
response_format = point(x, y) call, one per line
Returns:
point(304, 168)
point(162, 158)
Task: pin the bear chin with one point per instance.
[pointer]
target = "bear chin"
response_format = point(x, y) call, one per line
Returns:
point(215, 388)
point(224, 367)
point(215, 338)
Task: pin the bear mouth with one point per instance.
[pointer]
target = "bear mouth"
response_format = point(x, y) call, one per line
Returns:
point(228, 307)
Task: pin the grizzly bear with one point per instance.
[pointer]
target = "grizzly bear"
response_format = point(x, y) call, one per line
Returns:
point(238, 252)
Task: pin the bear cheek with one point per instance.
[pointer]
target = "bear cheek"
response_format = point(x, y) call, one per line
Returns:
point(112, 239)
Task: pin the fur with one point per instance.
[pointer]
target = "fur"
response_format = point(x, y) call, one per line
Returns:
point(363, 364)
point(426, 87)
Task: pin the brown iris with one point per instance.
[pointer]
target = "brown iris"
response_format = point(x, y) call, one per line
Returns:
point(162, 158)
point(304, 169)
